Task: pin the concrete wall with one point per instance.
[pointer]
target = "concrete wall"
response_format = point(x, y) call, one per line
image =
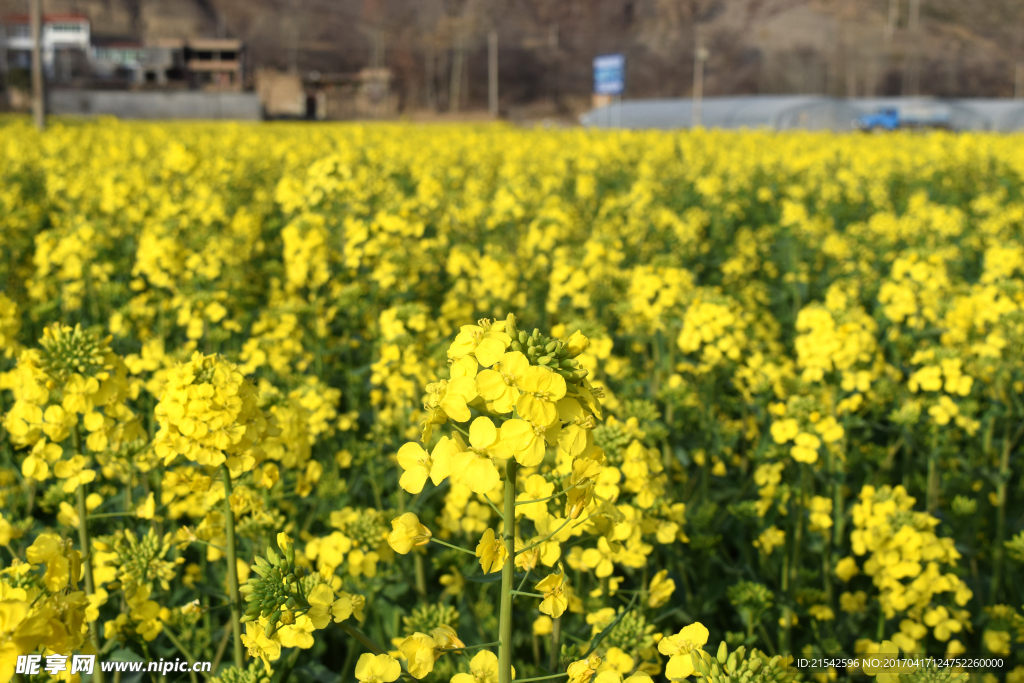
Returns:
point(157, 105)
point(782, 112)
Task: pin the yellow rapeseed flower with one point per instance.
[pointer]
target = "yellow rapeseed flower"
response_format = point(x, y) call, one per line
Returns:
point(492, 552)
point(407, 532)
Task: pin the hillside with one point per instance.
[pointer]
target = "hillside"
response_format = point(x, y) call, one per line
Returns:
point(755, 46)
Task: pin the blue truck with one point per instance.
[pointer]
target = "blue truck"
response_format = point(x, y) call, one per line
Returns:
point(890, 119)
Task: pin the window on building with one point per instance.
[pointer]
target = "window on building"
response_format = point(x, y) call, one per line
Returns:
point(65, 27)
point(19, 31)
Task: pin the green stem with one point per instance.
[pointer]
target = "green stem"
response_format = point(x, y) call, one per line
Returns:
point(375, 484)
point(362, 638)
point(766, 639)
point(544, 540)
point(183, 650)
point(421, 577)
point(998, 551)
point(784, 632)
point(507, 571)
point(523, 582)
point(932, 494)
point(83, 541)
point(643, 587)
point(111, 514)
point(527, 594)
point(350, 656)
point(495, 508)
point(204, 601)
point(212, 545)
point(453, 547)
point(540, 678)
point(544, 500)
point(556, 641)
point(236, 603)
point(467, 647)
point(220, 650)
point(289, 664)
point(794, 565)
point(128, 488)
point(576, 639)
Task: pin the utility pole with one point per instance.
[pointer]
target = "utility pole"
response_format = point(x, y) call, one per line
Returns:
point(699, 57)
point(1018, 82)
point(293, 46)
point(4, 81)
point(914, 22)
point(378, 48)
point(492, 72)
point(455, 89)
point(890, 26)
point(38, 96)
point(428, 73)
point(912, 85)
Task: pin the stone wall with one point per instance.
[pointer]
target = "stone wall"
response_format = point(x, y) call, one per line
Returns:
point(156, 105)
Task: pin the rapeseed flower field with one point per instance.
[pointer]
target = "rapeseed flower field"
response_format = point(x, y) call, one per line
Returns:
point(468, 403)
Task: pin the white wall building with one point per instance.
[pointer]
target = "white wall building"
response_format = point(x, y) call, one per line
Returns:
point(65, 37)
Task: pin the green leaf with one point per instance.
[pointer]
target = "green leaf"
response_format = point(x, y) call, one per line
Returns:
point(485, 578)
point(395, 590)
point(124, 655)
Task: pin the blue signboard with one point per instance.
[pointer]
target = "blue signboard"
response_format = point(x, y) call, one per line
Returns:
point(609, 74)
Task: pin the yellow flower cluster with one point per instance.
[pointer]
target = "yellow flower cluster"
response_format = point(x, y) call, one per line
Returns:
point(73, 383)
point(905, 562)
point(208, 412)
point(42, 605)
